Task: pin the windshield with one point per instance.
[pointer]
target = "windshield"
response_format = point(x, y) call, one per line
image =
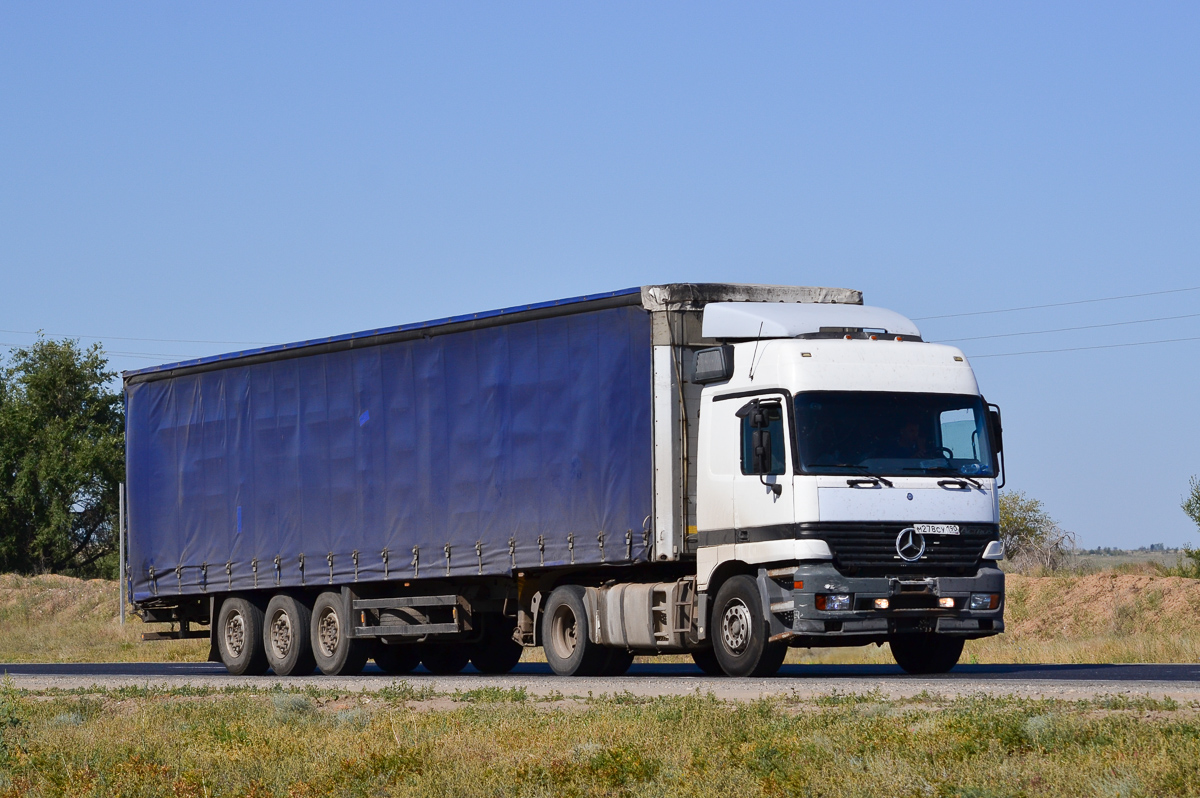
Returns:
point(893, 434)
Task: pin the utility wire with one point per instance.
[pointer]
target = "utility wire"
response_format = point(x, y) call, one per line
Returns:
point(1056, 304)
point(149, 355)
point(1068, 329)
point(1082, 348)
point(152, 340)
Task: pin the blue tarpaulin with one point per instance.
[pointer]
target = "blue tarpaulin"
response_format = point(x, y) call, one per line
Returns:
point(472, 444)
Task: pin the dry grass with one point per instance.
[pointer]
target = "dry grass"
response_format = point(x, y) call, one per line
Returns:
point(502, 743)
point(60, 619)
point(1104, 618)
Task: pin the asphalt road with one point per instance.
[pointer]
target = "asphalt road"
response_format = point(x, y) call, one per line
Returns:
point(1052, 681)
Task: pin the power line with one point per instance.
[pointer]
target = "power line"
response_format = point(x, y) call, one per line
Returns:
point(148, 355)
point(1069, 329)
point(1056, 304)
point(1082, 348)
point(151, 340)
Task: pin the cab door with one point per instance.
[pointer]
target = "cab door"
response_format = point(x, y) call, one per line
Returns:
point(762, 483)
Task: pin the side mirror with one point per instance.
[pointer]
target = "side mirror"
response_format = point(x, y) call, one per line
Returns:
point(761, 443)
point(996, 433)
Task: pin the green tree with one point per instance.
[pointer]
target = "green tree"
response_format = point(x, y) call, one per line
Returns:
point(61, 458)
point(1032, 539)
point(1191, 502)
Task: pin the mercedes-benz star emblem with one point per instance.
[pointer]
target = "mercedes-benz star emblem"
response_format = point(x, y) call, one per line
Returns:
point(910, 545)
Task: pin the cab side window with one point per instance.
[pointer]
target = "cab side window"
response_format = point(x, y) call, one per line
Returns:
point(778, 441)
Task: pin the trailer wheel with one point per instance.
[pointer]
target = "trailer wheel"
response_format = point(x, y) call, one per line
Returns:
point(496, 651)
point(926, 653)
point(444, 659)
point(706, 661)
point(240, 637)
point(286, 637)
point(396, 658)
point(739, 631)
point(569, 651)
point(337, 653)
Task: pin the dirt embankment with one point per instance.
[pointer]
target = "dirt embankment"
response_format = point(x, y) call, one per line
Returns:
point(1058, 607)
point(59, 619)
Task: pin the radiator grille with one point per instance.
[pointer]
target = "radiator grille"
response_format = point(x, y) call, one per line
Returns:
point(870, 548)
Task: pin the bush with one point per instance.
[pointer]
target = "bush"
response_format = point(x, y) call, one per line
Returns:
point(1032, 539)
point(1191, 503)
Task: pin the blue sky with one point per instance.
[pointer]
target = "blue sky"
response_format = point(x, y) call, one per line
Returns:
point(232, 173)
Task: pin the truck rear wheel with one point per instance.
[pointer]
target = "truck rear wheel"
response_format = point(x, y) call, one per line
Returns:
point(396, 658)
point(706, 661)
point(444, 659)
point(240, 637)
point(286, 636)
point(617, 662)
point(569, 651)
point(496, 651)
point(739, 631)
point(926, 653)
point(337, 653)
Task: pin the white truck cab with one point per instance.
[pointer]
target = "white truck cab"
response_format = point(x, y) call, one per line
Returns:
point(846, 479)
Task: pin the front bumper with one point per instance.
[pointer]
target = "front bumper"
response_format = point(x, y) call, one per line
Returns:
point(913, 606)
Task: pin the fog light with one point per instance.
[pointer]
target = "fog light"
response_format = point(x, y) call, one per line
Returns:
point(881, 604)
point(985, 601)
point(833, 603)
point(946, 603)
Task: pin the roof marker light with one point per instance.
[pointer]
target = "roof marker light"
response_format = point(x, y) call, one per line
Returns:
point(899, 338)
point(849, 337)
point(958, 358)
point(806, 354)
point(874, 337)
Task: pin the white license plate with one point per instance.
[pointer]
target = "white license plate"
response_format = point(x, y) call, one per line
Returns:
point(936, 529)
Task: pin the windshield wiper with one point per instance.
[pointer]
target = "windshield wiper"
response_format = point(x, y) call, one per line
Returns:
point(866, 477)
point(950, 471)
point(871, 479)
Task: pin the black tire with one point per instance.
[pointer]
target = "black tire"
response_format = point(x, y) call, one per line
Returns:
point(569, 651)
point(926, 653)
point(396, 659)
point(739, 631)
point(240, 637)
point(706, 661)
point(496, 651)
point(336, 653)
point(287, 638)
point(617, 662)
point(444, 659)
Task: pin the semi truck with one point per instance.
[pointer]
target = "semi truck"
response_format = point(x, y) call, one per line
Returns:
point(715, 470)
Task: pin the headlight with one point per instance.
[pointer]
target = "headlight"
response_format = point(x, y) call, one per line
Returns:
point(985, 601)
point(834, 602)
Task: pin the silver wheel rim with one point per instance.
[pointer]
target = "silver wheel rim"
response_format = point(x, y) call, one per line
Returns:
point(281, 635)
point(235, 634)
point(564, 631)
point(735, 626)
point(329, 632)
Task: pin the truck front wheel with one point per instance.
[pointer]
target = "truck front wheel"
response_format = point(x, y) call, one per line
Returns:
point(240, 637)
point(286, 637)
point(337, 653)
point(926, 653)
point(739, 631)
point(569, 651)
